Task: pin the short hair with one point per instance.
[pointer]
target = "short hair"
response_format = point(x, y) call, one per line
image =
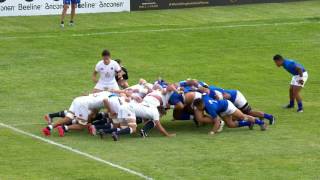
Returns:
point(198, 102)
point(118, 61)
point(105, 52)
point(277, 57)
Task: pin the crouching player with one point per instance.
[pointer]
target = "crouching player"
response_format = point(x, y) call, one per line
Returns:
point(232, 116)
point(238, 99)
point(125, 123)
point(82, 110)
point(299, 79)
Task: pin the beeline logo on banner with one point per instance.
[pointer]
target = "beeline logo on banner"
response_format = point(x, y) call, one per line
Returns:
point(1, 1)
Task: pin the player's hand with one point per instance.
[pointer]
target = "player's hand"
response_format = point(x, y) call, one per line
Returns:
point(171, 135)
point(301, 81)
point(94, 80)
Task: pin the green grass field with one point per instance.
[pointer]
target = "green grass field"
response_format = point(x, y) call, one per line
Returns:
point(42, 68)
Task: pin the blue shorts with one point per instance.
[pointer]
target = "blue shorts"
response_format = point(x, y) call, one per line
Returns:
point(71, 1)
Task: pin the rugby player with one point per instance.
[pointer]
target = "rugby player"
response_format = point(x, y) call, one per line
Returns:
point(108, 70)
point(122, 79)
point(66, 4)
point(299, 79)
point(152, 108)
point(238, 99)
point(80, 113)
point(232, 116)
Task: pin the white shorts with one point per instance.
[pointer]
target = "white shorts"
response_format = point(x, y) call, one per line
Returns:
point(230, 109)
point(295, 80)
point(109, 86)
point(145, 111)
point(125, 113)
point(240, 100)
point(79, 110)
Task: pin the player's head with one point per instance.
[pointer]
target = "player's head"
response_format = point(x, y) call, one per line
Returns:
point(106, 55)
point(278, 59)
point(198, 103)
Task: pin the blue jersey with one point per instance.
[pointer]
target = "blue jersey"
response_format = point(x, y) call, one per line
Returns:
point(176, 98)
point(233, 93)
point(212, 90)
point(291, 66)
point(161, 83)
point(187, 88)
point(214, 107)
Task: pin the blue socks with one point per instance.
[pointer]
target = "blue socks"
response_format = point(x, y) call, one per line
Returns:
point(268, 116)
point(243, 123)
point(291, 104)
point(300, 106)
point(259, 122)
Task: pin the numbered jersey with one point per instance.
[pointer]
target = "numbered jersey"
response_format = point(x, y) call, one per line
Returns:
point(107, 72)
point(214, 107)
point(95, 100)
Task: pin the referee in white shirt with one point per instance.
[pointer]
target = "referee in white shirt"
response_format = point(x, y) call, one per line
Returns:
point(108, 70)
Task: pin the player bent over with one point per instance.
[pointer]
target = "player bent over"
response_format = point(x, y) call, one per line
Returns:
point(125, 121)
point(81, 111)
point(238, 99)
point(227, 111)
point(299, 79)
point(66, 4)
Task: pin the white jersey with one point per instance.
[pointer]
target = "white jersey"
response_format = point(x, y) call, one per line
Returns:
point(95, 100)
point(158, 93)
point(141, 90)
point(107, 72)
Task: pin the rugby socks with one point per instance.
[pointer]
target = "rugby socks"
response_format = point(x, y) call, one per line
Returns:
point(243, 123)
point(291, 104)
point(57, 114)
point(50, 127)
point(109, 131)
point(259, 122)
point(65, 128)
point(104, 126)
point(300, 106)
point(148, 126)
point(268, 116)
point(124, 131)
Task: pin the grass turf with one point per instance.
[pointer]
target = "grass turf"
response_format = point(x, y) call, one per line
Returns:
point(39, 74)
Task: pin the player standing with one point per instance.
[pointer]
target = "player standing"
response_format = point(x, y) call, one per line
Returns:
point(66, 4)
point(108, 70)
point(300, 76)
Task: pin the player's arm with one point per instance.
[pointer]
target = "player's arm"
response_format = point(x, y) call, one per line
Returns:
point(163, 130)
point(107, 106)
point(94, 76)
point(300, 72)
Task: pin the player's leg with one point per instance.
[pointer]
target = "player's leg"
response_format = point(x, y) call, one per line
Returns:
point(73, 11)
point(247, 120)
point(49, 117)
point(66, 120)
point(75, 127)
point(128, 126)
point(66, 4)
point(298, 98)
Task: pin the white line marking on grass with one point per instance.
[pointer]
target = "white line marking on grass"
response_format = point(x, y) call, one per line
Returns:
point(76, 151)
point(158, 30)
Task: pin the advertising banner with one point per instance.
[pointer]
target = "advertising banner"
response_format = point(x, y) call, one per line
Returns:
point(137, 5)
point(47, 7)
